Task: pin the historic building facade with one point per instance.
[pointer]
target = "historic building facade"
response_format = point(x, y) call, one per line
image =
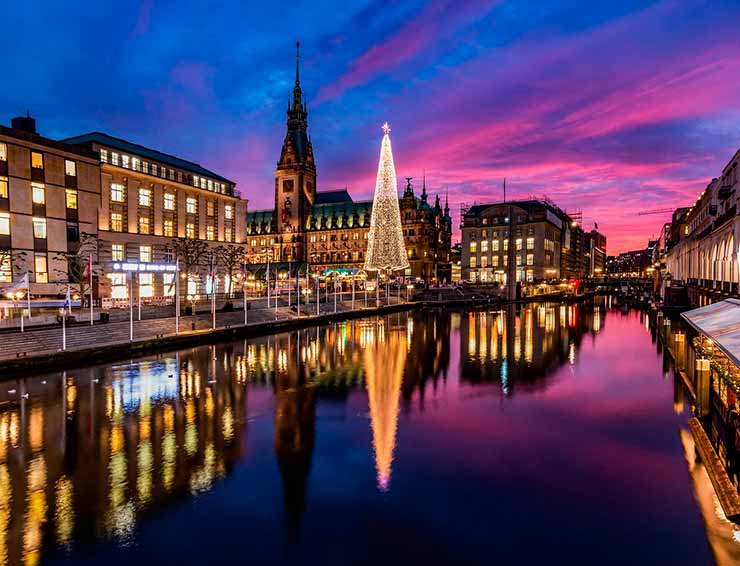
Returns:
point(530, 240)
point(328, 230)
point(702, 252)
point(149, 198)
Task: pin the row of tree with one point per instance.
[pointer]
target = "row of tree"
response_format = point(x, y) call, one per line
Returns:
point(194, 256)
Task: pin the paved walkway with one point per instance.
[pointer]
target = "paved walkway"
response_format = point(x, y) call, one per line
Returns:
point(45, 340)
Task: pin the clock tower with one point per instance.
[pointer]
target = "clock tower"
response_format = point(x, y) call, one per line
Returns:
point(295, 178)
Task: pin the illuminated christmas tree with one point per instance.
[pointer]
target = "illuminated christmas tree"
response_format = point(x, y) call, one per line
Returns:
point(385, 246)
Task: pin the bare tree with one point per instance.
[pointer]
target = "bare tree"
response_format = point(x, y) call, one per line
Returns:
point(230, 258)
point(192, 254)
point(76, 262)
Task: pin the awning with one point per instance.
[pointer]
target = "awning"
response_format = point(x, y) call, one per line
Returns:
point(720, 322)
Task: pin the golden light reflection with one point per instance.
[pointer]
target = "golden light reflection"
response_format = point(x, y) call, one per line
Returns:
point(64, 512)
point(383, 376)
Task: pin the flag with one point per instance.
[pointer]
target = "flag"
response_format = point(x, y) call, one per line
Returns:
point(67, 300)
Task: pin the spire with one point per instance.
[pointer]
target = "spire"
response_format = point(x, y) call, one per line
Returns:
point(424, 187)
point(447, 204)
point(297, 94)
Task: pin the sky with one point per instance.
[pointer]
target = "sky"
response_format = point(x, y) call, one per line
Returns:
point(610, 108)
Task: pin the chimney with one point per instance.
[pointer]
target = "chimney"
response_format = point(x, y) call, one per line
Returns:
point(24, 123)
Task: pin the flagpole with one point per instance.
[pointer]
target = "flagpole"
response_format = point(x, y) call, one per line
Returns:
point(64, 329)
point(276, 294)
point(28, 296)
point(267, 280)
point(318, 297)
point(131, 308)
point(298, 289)
point(92, 310)
point(177, 296)
point(244, 290)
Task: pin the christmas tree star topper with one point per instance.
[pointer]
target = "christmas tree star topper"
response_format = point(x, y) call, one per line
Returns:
point(386, 129)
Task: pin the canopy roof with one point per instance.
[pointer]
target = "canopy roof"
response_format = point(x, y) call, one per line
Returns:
point(720, 322)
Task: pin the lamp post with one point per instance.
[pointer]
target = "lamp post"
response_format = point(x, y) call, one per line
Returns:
point(318, 296)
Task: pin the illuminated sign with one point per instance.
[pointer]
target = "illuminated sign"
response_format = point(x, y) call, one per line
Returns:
point(145, 267)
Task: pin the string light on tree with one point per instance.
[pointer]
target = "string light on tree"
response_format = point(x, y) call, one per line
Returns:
point(386, 250)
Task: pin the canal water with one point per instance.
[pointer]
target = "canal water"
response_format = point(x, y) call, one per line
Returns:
point(548, 435)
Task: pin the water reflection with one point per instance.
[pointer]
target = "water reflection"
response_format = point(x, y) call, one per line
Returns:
point(88, 455)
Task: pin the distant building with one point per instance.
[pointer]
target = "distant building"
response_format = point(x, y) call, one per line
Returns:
point(634, 263)
point(545, 244)
point(327, 230)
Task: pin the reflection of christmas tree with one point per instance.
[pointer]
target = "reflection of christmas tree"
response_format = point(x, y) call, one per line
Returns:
point(385, 246)
point(384, 363)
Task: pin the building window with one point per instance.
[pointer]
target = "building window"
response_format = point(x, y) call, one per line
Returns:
point(210, 185)
point(168, 282)
point(71, 199)
point(210, 208)
point(210, 233)
point(473, 247)
point(38, 194)
point(168, 254)
point(4, 224)
point(154, 169)
point(191, 205)
point(530, 243)
point(145, 254)
point(6, 271)
point(168, 228)
point(228, 236)
point(37, 160)
point(172, 174)
point(494, 261)
point(473, 262)
point(114, 158)
point(145, 167)
point(40, 269)
point(135, 164)
point(145, 197)
point(228, 212)
point(190, 230)
point(530, 259)
point(518, 243)
point(116, 252)
point(39, 228)
point(3, 152)
point(143, 224)
point(125, 161)
point(116, 222)
point(116, 192)
point(3, 187)
point(169, 201)
point(195, 180)
point(118, 286)
point(484, 246)
point(494, 245)
point(103, 155)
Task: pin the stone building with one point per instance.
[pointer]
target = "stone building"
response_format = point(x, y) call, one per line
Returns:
point(49, 194)
point(148, 198)
point(541, 240)
point(328, 230)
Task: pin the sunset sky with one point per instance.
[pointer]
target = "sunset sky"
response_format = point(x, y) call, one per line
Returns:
point(607, 107)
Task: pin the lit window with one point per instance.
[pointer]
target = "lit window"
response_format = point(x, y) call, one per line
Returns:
point(210, 185)
point(3, 152)
point(39, 268)
point(530, 259)
point(168, 282)
point(228, 212)
point(191, 205)
point(168, 254)
point(4, 225)
point(38, 194)
point(125, 161)
point(114, 158)
point(37, 160)
point(210, 233)
point(116, 192)
point(103, 155)
point(228, 235)
point(195, 180)
point(143, 224)
point(145, 197)
point(473, 262)
point(484, 246)
point(135, 164)
point(169, 201)
point(145, 167)
point(70, 196)
point(146, 286)
point(118, 286)
point(39, 228)
point(473, 247)
point(116, 252)
point(3, 187)
point(210, 208)
point(6, 271)
point(154, 169)
point(202, 183)
point(70, 168)
point(518, 243)
point(116, 222)
point(530, 243)
point(145, 254)
point(168, 228)
point(190, 230)
point(494, 245)
point(172, 174)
